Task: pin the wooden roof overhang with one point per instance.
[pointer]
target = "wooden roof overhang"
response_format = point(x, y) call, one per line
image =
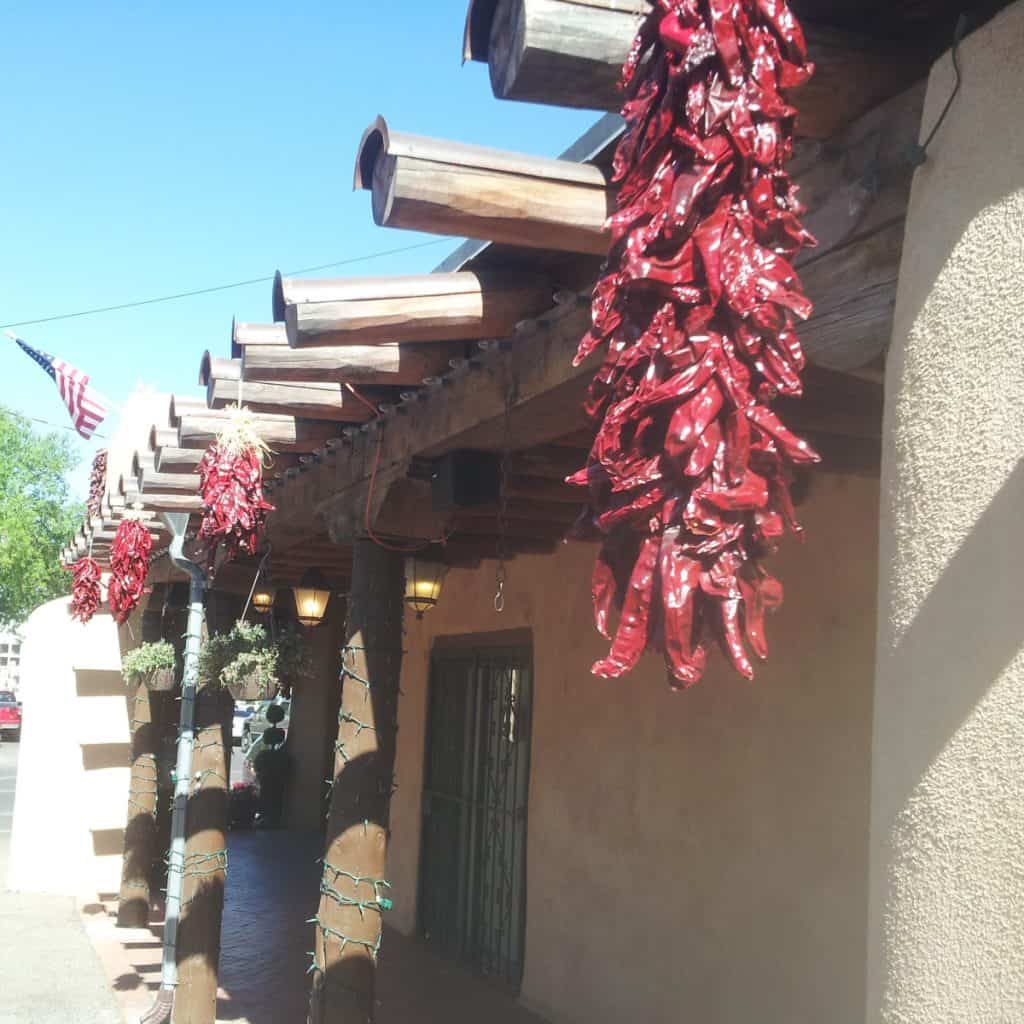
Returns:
point(479, 354)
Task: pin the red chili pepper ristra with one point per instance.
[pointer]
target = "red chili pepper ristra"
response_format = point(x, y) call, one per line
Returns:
point(129, 564)
point(97, 482)
point(689, 472)
point(85, 588)
point(234, 512)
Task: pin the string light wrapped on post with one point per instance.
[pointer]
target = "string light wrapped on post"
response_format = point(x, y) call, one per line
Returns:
point(688, 476)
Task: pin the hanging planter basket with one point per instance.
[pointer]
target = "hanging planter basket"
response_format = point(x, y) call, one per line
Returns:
point(161, 679)
point(255, 686)
point(151, 665)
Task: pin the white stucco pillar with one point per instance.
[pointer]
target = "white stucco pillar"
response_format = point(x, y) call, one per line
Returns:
point(946, 931)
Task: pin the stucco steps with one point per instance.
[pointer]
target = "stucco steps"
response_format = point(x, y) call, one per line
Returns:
point(99, 682)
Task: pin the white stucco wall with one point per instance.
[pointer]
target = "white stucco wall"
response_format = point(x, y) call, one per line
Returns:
point(946, 933)
point(58, 805)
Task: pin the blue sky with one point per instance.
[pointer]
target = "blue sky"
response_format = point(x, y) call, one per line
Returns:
point(155, 148)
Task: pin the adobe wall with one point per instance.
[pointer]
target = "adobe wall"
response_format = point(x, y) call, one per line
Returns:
point(699, 856)
point(946, 939)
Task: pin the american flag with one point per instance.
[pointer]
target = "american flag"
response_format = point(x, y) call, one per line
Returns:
point(84, 403)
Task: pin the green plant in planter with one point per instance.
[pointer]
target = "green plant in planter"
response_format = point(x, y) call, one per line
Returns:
point(150, 662)
point(292, 657)
point(248, 662)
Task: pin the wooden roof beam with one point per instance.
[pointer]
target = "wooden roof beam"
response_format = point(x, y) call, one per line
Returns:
point(280, 433)
point(150, 481)
point(450, 188)
point(413, 308)
point(570, 53)
point(266, 356)
point(361, 365)
point(313, 401)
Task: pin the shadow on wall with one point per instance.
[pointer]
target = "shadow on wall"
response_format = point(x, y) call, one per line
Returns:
point(979, 651)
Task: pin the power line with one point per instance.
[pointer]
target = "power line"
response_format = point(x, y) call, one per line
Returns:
point(220, 287)
point(56, 426)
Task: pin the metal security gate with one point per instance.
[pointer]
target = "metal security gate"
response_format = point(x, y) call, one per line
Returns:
point(472, 901)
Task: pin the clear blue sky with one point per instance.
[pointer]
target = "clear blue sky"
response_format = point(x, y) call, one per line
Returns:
point(155, 148)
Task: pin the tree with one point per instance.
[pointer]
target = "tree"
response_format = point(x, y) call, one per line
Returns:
point(37, 516)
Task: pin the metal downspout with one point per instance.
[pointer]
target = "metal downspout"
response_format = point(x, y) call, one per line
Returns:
point(161, 1009)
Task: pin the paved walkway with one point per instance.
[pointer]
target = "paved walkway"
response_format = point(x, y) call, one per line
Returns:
point(50, 972)
point(271, 893)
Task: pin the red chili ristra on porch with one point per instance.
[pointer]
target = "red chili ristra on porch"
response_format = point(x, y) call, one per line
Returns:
point(85, 588)
point(688, 476)
point(234, 512)
point(129, 564)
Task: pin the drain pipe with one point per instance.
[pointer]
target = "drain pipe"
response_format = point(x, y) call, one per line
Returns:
point(160, 1011)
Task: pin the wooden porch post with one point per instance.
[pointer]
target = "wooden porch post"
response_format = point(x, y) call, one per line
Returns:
point(140, 830)
point(353, 889)
point(205, 865)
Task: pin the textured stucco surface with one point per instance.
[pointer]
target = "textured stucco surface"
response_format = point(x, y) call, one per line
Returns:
point(57, 802)
point(946, 935)
point(697, 856)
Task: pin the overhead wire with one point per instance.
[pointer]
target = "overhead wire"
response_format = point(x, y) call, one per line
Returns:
point(221, 287)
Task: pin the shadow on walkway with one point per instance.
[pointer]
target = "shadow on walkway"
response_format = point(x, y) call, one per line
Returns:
point(273, 880)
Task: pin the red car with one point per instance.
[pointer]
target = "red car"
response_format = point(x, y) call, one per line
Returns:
point(10, 716)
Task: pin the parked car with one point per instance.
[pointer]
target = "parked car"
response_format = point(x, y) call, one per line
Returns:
point(10, 716)
point(243, 712)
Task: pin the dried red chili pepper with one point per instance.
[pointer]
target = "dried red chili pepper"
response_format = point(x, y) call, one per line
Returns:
point(697, 309)
point(129, 564)
point(97, 482)
point(85, 588)
point(231, 486)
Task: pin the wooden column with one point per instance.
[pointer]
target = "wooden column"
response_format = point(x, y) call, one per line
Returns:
point(205, 866)
point(353, 886)
point(140, 831)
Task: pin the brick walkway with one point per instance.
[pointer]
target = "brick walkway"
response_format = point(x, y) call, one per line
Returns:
point(271, 893)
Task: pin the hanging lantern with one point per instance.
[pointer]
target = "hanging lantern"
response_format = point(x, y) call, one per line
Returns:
point(423, 582)
point(311, 597)
point(263, 598)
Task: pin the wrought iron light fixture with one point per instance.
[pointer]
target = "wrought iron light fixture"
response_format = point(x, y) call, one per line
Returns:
point(311, 596)
point(423, 581)
point(263, 598)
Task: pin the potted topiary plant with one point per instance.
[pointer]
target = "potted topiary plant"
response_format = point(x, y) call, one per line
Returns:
point(152, 664)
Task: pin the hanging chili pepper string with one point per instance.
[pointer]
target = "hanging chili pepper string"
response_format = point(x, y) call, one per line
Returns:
point(85, 588)
point(231, 486)
point(97, 482)
point(688, 476)
point(129, 564)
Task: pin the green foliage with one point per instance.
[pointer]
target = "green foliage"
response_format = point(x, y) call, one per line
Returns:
point(36, 516)
point(144, 660)
point(248, 652)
